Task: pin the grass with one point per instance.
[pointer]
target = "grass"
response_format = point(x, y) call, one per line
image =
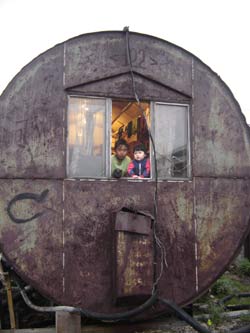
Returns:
point(215, 312)
point(244, 267)
point(236, 280)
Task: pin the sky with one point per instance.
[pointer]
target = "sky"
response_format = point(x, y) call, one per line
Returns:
point(216, 31)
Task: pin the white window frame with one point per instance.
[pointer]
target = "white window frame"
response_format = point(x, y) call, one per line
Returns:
point(187, 106)
point(107, 143)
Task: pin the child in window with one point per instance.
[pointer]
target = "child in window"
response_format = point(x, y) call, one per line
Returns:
point(140, 166)
point(120, 160)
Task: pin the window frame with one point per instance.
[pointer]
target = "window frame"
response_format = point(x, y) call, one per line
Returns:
point(107, 143)
point(152, 108)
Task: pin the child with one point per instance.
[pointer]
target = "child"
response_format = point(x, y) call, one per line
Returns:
point(140, 166)
point(120, 161)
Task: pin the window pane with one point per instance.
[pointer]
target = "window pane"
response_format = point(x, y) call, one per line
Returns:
point(171, 140)
point(86, 137)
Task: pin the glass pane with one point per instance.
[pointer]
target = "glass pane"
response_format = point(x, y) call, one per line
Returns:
point(86, 137)
point(171, 140)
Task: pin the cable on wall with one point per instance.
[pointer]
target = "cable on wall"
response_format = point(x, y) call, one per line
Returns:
point(157, 241)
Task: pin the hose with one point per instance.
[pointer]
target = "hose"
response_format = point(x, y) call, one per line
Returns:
point(117, 316)
point(185, 316)
point(245, 329)
point(235, 307)
point(90, 314)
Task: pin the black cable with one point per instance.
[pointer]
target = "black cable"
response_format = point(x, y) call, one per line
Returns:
point(237, 307)
point(228, 297)
point(138, 101)
point(185, 316)
point(234, 307)
point(116, 316)
point(245, 329)
point(90, 314)
point(195, 324)
point(127, 314)
point(157, 241)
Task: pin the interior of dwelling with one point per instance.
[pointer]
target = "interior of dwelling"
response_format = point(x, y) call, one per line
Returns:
point(129, 122)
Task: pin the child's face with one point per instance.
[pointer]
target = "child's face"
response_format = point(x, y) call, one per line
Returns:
point(121, 152)
point(139, 155)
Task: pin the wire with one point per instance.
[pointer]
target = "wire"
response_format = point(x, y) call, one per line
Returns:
point(157, 241)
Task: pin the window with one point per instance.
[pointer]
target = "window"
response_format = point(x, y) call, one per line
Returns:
point(95, 124)
point(171, 140)
point(86, 137)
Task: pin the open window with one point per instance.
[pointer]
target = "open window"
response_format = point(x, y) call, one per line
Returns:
point(95, 124)
point(130, 123)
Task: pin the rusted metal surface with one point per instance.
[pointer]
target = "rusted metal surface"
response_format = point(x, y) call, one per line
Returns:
point(177, 231)
point(134, 258)
point(135, 222)
point(222, 212)
point(58, 234)
point(220, 133)
point(89, 233)
point(34, 248)
point(102, 55)
point(120, 87)
point(89, 238)
point(32, 120)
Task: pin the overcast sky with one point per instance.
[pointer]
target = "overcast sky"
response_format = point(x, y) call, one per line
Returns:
point(216, 31)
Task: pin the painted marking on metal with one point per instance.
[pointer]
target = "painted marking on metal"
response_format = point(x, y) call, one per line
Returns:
point(63, 238)
point(24, 196)
point(64, 62)
point(195, 243)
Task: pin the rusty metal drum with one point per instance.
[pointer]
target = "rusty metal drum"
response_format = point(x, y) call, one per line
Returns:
point(57, 206)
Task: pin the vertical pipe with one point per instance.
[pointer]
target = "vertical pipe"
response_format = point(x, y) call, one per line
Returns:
point(10, 302)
